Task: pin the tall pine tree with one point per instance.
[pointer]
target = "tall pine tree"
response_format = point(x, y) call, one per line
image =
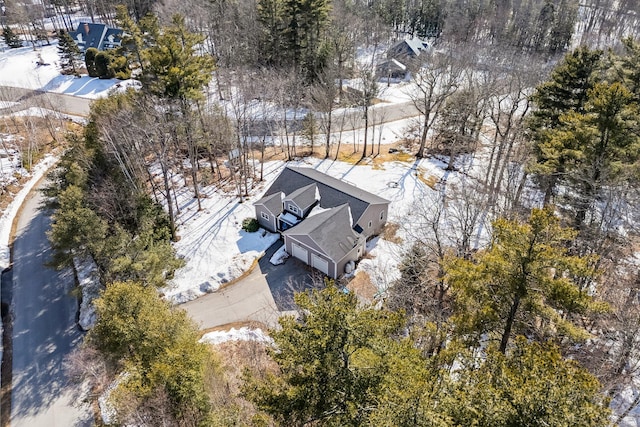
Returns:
point(69, 53)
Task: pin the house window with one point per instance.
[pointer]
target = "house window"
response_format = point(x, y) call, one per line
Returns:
point(382, 216)
point(264, 216)
point(370, 224)
point(293, 209)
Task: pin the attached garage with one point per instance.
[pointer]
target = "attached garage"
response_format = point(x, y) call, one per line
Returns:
point(320, 264)
point(299, 252)
point(325, 241)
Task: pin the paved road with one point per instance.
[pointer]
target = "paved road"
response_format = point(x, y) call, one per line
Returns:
point(27, 98)
point(44, 331)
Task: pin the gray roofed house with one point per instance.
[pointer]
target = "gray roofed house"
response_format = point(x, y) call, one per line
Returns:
point(324, 221)
point(369, 211)
point(99, 36)
point(326, 241)
point(392, 70)
point(408, 48)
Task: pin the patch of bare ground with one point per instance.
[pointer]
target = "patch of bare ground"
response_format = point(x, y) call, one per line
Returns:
point(362, 287)
point(390, 233)
point(237, 358)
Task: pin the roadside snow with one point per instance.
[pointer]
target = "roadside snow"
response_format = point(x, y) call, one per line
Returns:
point(6, 220)
point(242, 334)
point(280, 256)
point(89, 281)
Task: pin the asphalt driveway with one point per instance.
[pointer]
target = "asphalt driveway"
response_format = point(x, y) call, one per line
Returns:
point(286, 279)
point(263, 295)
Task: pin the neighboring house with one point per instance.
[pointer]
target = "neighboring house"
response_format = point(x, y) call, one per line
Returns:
point(392, 70)
point(96, 35)
point(326, 241)
point(407, 50)
point(305, 202)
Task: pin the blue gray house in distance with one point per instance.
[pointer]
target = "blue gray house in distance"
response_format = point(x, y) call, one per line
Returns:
point(96, 35)
point(325, 222)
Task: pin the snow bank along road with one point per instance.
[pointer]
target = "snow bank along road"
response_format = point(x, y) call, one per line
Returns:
point(44, 330)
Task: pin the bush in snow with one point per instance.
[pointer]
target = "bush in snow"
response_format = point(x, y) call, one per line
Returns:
point(250, 225)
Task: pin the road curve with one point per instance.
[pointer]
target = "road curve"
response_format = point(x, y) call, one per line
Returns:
point(44, 330)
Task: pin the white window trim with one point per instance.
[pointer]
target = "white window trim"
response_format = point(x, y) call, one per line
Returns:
point(265, 216)
point(292, 208)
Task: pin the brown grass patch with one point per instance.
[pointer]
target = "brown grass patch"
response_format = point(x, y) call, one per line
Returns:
point(389, 233)
point(225, 385)
point(429, 180)
point(362, 287)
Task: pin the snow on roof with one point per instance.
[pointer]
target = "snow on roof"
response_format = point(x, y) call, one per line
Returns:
point(289, 218)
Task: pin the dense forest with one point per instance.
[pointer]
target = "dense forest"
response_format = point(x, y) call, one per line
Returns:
point(539, 325)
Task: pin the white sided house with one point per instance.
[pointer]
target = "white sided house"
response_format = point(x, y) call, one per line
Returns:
point(325, 222)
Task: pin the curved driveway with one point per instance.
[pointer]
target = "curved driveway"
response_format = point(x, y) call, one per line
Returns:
point(44, 330)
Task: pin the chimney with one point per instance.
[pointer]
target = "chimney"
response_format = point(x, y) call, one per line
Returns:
point(86, 28)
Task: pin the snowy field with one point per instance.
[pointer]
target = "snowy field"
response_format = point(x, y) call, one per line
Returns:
point(19, 68)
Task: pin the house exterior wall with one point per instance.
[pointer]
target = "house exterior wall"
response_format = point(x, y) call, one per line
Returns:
point(377, 216)
point(287, 207)
point(301, 241)
point(269, 224)
point(351, 256)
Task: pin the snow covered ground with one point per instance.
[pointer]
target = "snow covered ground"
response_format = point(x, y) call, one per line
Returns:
point(233, 334)
point(19, 68)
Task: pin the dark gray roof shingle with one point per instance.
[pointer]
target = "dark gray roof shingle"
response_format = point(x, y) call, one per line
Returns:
point(304, 197)
point(333, 192)
point(272, 202)
point(330, 230)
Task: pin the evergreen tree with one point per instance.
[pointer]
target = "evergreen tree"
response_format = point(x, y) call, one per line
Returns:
point(525, 282)
point(332, 361)
point(11, 39)
point(69, 53)
point(566, 91)
point(528, 387)
point(158, 345)
point(90, 62)
point(599, 146)
point(102, 64)
point(175, 69)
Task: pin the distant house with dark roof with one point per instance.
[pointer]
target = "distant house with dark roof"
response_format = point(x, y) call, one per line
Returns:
point(100, 36)
point(407, 49)
point(392, 70)
point(324, 221)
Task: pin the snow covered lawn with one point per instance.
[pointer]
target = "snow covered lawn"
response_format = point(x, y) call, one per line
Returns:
point(19, 68)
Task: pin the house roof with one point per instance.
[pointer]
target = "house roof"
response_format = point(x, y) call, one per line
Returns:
point(113, 36)
point(333, 192)
point(330, 230)
point(90, 34)
point(272, 202)
point(415, 45)
point(391, 65)
point(305, 196)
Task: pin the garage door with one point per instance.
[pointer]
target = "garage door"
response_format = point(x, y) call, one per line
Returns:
point(320, 264)
point(300, 253)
